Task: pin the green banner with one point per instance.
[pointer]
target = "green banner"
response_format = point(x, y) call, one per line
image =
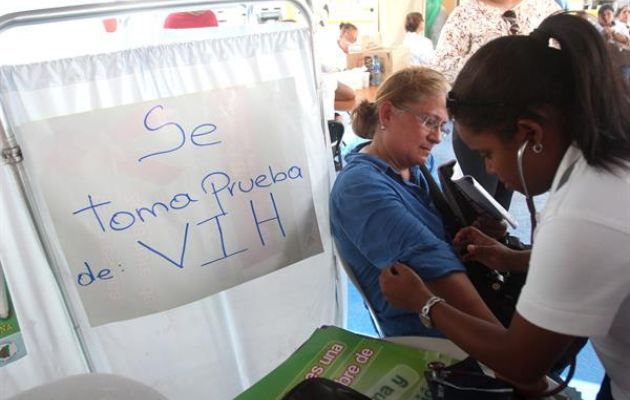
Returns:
point(433, 10)
point(11, 344)
point(374, 367)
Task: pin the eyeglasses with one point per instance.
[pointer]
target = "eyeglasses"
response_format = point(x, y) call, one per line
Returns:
point(430, 122)
point(509, 16)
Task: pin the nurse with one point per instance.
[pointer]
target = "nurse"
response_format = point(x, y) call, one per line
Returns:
point(548, 113)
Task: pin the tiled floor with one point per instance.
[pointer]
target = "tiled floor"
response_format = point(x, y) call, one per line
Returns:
point(589, 371)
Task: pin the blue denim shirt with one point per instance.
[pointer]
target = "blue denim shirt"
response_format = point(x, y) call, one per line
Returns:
point(377, 219)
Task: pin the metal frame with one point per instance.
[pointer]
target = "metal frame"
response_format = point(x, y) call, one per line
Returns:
point(366, 301)
point(11, 152)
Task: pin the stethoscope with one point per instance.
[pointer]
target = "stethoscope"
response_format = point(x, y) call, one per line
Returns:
point(528, 198)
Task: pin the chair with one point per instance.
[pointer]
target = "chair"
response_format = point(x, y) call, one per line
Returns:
point(366, 302)
point(336, 130)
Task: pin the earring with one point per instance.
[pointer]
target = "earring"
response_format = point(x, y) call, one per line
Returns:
point(537, 148)
point(382, 127)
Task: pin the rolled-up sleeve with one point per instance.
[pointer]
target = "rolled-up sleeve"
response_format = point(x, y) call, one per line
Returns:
point(385, 227)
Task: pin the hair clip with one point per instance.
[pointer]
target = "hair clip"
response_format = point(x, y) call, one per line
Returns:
point(545, 38)
point(451, 100)
point(554, 44)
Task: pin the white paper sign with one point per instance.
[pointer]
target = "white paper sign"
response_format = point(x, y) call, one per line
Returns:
point(161, 203)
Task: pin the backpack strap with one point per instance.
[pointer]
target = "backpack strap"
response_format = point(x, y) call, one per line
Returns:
point(451, 223)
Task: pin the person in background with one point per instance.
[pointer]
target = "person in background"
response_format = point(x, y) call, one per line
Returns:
point(608, 28)
point(191, 19)
point(622, 19)
point(547, 113)
point(622, 27)
point(348, 34)
point(333, 57)
point(332, 51)
point(469, 26)
point(420, 48)
point(380, 206)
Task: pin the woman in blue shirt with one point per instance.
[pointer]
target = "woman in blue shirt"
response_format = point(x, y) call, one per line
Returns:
point(381, 209)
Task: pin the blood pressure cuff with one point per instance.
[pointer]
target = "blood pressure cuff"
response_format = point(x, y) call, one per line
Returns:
point(465, 380)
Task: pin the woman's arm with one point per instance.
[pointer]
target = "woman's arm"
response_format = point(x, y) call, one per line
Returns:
point(373, 218)
point(460, 293)
point(521, 354)
point(344, 92)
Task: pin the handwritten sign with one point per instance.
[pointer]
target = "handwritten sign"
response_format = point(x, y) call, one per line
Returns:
point(161, 203)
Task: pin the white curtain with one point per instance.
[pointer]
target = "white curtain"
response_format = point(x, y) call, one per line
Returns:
point(212, 348)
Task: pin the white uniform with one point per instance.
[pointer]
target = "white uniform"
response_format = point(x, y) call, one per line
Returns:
point(622, 28)
point(420, 49)
point(579, 275)
point(331, 60)
point(327, 51)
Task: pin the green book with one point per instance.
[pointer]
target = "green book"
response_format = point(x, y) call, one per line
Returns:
point(374, 367)
point(11, 343)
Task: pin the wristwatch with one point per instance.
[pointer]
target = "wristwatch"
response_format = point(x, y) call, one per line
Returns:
point(425, 311)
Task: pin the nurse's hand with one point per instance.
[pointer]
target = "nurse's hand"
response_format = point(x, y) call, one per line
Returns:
point(474, 245)
point(403, 288)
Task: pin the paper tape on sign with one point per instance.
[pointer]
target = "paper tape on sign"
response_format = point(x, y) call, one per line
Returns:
point(161, 203)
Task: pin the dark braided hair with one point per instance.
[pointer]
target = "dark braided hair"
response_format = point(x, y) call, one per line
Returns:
point(564, 63)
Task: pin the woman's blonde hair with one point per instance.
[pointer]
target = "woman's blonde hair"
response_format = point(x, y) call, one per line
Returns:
point(409, 85)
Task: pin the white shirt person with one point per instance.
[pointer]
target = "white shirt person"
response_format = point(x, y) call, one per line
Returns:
point(420, 47)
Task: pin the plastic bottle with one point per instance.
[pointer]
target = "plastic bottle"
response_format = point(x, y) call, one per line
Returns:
point(376, 71)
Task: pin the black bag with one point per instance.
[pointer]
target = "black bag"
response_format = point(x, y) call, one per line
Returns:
point(500, 291)
point(466, 380)
point(322, 389)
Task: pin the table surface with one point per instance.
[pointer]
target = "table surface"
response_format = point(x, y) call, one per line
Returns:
point(428, 343)
point(368, 93)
